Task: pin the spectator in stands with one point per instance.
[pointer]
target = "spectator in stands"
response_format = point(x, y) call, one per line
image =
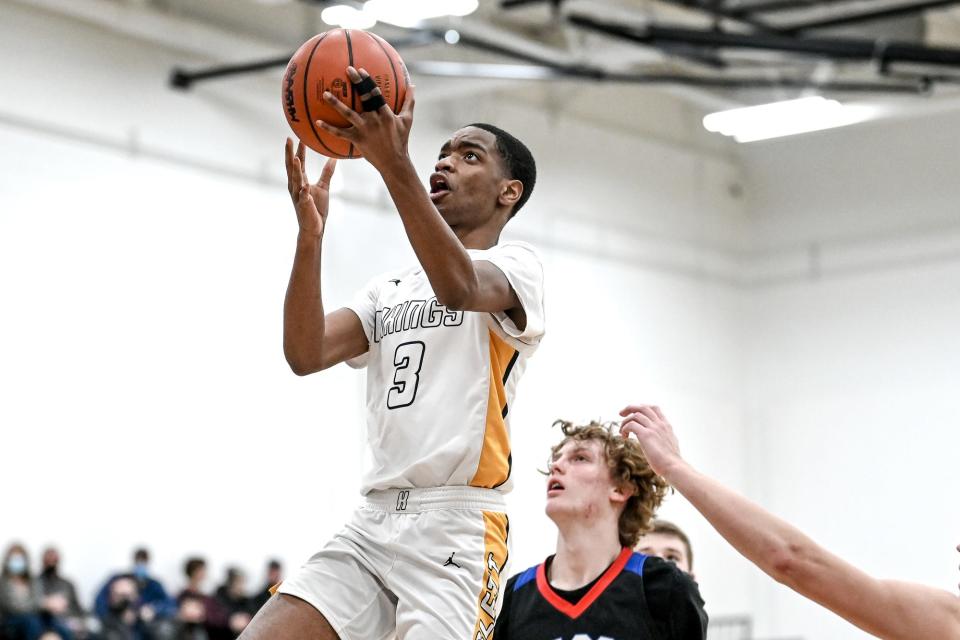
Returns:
point(668, 541)
point(19, 597)
point(58, 595)
point(192, 618)
point(214, 616)
point(274, 577)
point(153, 598)
point(125, 617)
point(232, 596)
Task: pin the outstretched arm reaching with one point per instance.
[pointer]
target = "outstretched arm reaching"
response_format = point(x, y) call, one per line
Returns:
point(885, 608)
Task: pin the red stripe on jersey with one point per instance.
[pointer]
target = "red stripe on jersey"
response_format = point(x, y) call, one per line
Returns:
point(573, 611)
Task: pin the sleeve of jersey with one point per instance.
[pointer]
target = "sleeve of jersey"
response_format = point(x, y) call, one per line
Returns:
point(364, 304)
point(675, 602)
point(521, 265)
point(501, 631)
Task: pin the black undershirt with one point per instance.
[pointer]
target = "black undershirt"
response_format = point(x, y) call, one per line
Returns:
point(575, 595)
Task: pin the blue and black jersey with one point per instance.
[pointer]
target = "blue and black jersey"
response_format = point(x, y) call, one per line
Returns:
point(638, 597)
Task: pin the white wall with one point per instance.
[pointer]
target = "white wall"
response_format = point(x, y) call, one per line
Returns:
point(145, 242)
point(853, 358)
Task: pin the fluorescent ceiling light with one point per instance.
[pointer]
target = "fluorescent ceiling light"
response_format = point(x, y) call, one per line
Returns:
point(786, 118)
point(411, 13)
point(342, 15)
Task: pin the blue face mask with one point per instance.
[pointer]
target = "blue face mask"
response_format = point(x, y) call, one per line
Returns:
point(17, 564)
point(140, 570)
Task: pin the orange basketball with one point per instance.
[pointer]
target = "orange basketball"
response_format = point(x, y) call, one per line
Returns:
point(320, 65)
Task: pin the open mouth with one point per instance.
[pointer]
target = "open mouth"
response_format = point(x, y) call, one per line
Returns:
point(438, 186)
point(554, 487)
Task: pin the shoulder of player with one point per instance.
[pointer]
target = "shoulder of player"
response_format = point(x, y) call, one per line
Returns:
point(665, 577)
point(522, 578)
point(510, 247)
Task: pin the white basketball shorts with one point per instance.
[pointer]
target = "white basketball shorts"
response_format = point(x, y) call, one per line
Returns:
point(417, 564)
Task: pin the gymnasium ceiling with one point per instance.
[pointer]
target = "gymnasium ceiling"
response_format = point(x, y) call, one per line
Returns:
point(708, 53)
point(850, 46)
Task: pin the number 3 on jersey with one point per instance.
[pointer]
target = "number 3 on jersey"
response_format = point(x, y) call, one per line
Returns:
point(407, 359)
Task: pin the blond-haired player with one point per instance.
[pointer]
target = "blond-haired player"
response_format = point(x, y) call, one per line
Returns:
point(601, 494)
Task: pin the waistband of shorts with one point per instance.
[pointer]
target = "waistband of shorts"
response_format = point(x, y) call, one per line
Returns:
point(416, 500)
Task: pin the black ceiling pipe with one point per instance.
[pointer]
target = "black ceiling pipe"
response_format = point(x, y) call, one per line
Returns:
point(833, 48)
point(866, 16)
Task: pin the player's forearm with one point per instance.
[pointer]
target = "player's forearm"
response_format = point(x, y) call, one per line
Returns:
point(447, 264)
point(776, 547)
point(303, 314)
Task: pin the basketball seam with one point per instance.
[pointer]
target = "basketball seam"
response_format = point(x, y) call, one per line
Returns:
point(306, 102)
point(393, 70)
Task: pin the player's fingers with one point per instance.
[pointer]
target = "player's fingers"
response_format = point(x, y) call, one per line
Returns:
point(346, 133)
point(300, 175)
point(641, 419)
point(352, 116)
point(650, 412)
point(631, 408)
point(632, 426)
point(327, 173)
point(406, 110)
point(302, 154)
point(659, 413)
point(354, 75)
point(302, 159)
point(288, 163)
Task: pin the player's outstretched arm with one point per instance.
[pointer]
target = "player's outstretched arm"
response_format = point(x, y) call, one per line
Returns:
point(885, 608)
point(382, 137)
point(313, 340)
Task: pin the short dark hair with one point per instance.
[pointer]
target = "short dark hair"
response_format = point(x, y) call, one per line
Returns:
point(193, 565)
point(141, 555)
point(667, 528)
point(517, 158)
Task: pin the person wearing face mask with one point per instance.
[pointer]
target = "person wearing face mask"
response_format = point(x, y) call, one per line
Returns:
point(153, 598)
point(19, 597)
point(58, 595)
point(124, 619)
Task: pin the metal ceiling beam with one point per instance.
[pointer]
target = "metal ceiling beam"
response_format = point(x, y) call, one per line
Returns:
point(539, 72)
point(833, 48)
point(770, 6)
point(183, 79)
point(866, 16)
point(715, 9)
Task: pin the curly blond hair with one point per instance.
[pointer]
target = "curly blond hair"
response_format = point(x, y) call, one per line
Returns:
point(629, 470)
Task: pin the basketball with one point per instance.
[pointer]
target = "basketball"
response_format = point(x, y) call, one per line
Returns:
point(320, 65)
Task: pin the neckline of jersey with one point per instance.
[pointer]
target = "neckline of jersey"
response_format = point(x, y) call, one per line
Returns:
point(574, 611)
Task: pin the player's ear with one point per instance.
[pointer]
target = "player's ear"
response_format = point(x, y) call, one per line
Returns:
point(621, 493)
point(510, 193)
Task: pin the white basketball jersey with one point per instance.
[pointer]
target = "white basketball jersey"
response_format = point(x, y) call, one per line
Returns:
point(440, 383)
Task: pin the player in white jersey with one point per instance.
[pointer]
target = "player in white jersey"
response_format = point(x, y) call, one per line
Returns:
point(444, 343)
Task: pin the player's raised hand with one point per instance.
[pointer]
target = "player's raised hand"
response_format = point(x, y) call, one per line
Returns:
point(655, 434)
point(379, 134)
point(311, 201)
